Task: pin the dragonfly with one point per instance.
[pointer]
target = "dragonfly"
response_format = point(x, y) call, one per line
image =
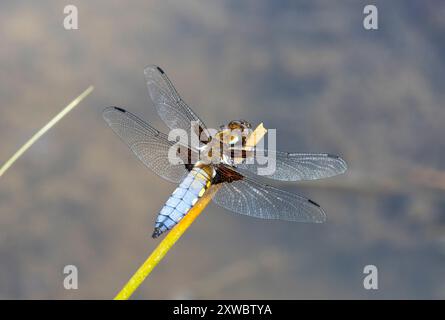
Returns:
point(240, 190)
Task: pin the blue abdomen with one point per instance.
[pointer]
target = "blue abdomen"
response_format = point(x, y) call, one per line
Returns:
point(182, 199)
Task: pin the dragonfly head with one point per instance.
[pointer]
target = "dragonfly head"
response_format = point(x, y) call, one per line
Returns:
point(234, 131)
point(239, 124)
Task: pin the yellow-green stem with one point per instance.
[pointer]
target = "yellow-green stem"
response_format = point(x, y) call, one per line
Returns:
point(165, 245)
point(42, 131)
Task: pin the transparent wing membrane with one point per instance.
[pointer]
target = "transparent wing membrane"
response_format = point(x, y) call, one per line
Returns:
point(169, 105)
point(300, 166)
point(150, 145)
point(253, 198)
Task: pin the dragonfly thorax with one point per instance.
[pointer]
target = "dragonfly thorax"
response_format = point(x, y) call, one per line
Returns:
point(222, 146)
point(234, 133)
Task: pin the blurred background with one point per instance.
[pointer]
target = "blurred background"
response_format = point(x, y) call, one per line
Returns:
point(307, 68)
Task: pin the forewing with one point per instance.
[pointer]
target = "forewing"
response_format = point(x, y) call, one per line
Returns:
point(252, 198)
point(147, 143)
point(300, 166)
point(169, 105)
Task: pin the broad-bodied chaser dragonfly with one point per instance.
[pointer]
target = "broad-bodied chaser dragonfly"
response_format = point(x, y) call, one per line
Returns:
point(240, 191)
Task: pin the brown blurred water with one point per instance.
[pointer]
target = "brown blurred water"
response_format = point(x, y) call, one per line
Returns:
point(308, 69)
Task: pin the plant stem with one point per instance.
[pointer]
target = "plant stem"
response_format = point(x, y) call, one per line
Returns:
point(166, 244)
point(42, 131)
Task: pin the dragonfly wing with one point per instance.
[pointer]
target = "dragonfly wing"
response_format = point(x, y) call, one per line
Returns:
point(148, 144)
point(252, 198)
point(300, 166)
point(169, 105)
